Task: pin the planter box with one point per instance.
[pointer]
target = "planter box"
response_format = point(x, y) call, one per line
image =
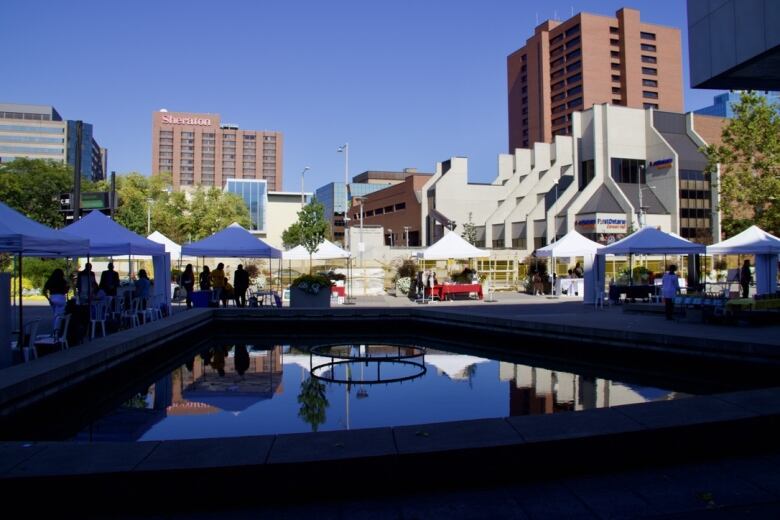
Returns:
point(300, 298)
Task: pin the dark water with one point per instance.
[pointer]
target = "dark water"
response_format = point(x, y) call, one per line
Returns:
point(238, 390)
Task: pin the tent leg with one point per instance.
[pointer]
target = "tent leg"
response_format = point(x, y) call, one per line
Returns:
point(21, 320)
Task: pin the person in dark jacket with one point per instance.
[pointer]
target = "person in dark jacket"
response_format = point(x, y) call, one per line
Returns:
point(745, 277)
point(205, 279)
point(187, 282)
point(109, 280)
point(240, 285)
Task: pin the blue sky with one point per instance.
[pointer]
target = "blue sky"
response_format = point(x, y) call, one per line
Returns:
point(406, 83)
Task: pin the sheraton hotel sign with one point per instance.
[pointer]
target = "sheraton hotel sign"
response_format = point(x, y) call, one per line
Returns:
point(175, 120)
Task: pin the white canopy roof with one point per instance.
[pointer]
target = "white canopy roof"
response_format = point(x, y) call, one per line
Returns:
point(232, 242)
point(452, 246)
point(22, 235)
point(571, 244)
point(170, 246)
point(327, 250)
point(652, 241)
point(453, 365)
point(752, 241)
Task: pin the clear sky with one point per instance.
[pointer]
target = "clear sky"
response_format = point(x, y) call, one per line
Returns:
point(407, 83)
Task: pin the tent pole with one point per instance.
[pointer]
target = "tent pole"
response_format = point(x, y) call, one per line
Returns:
point(21, 320)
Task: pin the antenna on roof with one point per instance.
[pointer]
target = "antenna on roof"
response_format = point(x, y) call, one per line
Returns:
point(555, 14)
point(572, 10)
point(537, 18)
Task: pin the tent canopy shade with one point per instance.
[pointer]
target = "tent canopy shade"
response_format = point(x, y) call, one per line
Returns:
point(752, 241)
point(452, 246)
point(108, 238)
point(232, 242)
point(652, 241)
point(572, 244)
point(327, 250)
point(171, 247)
point(22, 235)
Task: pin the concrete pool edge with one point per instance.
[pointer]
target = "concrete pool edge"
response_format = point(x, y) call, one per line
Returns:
point(638, 433)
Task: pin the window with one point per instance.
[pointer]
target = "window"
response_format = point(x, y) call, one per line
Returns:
point(559, 121)
point(573, 30)
point(556, 51)
point(649, 71)
point(574, 90)
point(649, 83)
point(650, 105)
point(558, 85)
point(616, 66)
point(575, 102)
point(614, 30)
point(525, 101)
point(577, 65)
point(648, 47)
point(558, 97)
point(574, 54)
point(616, 90)
point(524, 58)
point(573, 42)
point(556, 39)
point(556, 63)
point(614, 42)
point(523, 69)
point(647, 35)
point(400, 206)
point(559, 108)
point(557, 74)
point(628, 170)
point(574, 78)
point(649, 59)
point(649, 94)
point(615, 54)
point(587, 173)
point(617, 102)
point(616, 78)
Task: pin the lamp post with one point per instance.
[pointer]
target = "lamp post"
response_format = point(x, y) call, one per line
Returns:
point(344, 148)
point(406, 235)
point(149, 215)
point(641, 212)
point(641, 207)
point(361, 245)
point(391, 236)
point(303, 198)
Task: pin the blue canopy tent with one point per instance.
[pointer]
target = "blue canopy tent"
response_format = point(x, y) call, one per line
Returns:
point(23, 236)
point(107, 238)
point(232, 242)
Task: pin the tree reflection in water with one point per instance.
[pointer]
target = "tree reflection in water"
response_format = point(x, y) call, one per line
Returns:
point(313, 403)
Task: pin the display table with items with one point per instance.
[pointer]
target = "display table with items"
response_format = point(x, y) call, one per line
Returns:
point(631, 292)
point(201, 298)
point(569, 286)
point(449, 290)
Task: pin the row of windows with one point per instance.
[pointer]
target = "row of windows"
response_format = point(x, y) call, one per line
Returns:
point(382, 211)
point(31, 139)
point(575, 29)
point(32, 129)
point(31, 149)
point(25, 115)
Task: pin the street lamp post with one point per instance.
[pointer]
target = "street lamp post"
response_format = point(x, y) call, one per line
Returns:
point(303, 200)
point(391, 236)
point(149, 215)
point(406, 235)
point(345, 150)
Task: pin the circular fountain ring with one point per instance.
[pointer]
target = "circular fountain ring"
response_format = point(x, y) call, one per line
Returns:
point(415, 359)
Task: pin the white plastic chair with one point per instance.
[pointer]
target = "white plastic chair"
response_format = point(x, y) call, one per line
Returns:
point(26, 343)
point(131, 313)
point(98, 313)
point(59, 335)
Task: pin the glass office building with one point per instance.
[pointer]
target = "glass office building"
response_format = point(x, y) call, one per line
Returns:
point(255, 194)
point(333, 197)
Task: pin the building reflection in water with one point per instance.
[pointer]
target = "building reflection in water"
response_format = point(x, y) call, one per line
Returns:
point(539, 391)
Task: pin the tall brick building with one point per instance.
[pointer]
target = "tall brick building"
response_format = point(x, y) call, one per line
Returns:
point(588, 59)
point(196, 149)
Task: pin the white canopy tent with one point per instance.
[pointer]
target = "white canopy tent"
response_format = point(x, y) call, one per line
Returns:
point(327, 250)
point(574, 244)
point(754, 241)
point(171, 247)
point(452, 246)
point(646, 241)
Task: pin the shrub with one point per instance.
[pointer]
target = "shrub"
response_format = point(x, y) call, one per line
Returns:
point(408, 269)
point(403, 284)
point(311, 283)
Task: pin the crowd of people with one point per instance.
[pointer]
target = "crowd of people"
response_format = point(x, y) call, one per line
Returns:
point(217, 283)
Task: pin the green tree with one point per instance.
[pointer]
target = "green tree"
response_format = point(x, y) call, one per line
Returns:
point(749, 159)
point(212, 209)
point(33, 187)
point(469, 232)
point(310, 229)
point(292, 236)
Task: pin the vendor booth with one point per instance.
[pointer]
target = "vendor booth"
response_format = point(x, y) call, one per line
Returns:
point(326, 250)
point(766, 248)
point(572, 244)
point(452, 246)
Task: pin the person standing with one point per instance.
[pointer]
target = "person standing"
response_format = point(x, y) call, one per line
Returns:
point(240, 285)
point(86, 285)
point(745, 277)
point(143, 287)
point(578, 272)
point(205, 279)
point(669, 289)
point(218, 281)
point(109, 280)
point(55, 289)
point(187, 282)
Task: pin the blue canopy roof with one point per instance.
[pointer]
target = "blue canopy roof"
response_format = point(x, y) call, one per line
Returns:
point(232, 242)
point(22, 235)
point(107, 238)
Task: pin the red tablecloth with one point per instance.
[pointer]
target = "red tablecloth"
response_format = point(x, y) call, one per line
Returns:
point(339, 291)
point(445, 292)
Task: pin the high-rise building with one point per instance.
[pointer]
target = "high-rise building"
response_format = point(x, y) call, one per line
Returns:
point(590, 59)
point(722, 103)
point(39, 132)
point(196, 149)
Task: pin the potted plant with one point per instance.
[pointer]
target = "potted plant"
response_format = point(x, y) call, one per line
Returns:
point(310, 291)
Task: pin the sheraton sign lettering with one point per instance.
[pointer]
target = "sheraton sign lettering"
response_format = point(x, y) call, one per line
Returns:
point(174, 120)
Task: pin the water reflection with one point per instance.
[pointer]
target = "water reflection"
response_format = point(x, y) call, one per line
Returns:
point(238, 390)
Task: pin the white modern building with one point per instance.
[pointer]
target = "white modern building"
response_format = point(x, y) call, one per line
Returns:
point(621, 168)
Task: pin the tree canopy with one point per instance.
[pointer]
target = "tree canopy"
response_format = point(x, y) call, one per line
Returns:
point(749, 159)
point(33, 187)
point(309, 230)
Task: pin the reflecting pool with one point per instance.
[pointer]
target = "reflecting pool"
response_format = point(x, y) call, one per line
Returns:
point(241, 389)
